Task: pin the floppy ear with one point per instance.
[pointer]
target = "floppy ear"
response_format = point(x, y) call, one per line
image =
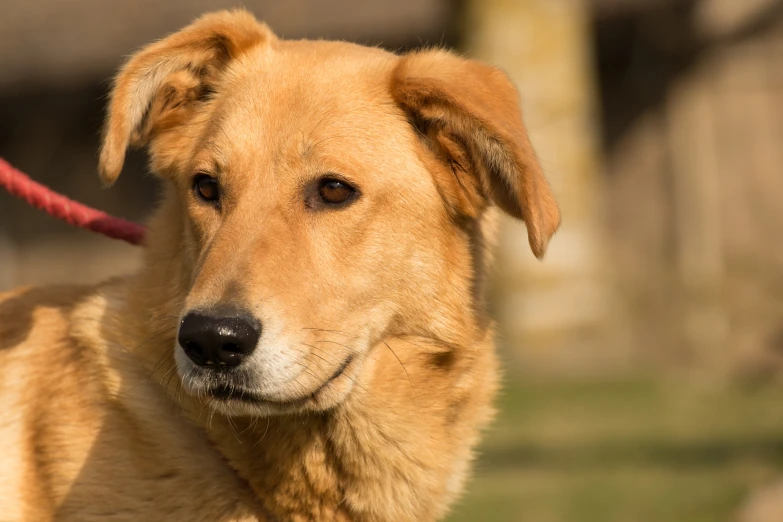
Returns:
point(160, 85)
point(469, 115)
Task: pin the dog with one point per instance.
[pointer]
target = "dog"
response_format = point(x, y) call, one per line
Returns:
point(306, 338)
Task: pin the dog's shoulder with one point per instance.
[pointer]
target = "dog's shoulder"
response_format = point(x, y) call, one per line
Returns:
point(55, 326)
point(34, 314)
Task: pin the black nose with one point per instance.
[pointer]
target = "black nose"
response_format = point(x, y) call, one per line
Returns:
point(218, 341)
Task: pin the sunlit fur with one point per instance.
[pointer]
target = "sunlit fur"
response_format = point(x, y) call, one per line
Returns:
point(105, 418)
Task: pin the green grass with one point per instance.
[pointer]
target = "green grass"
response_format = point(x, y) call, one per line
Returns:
point(633, 450)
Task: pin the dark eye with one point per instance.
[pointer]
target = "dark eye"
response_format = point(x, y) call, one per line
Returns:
point(206, 187)
point(334, 192)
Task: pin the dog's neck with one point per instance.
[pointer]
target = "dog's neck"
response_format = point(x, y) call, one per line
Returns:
point(397, 449)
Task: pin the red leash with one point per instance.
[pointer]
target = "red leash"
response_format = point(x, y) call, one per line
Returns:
point(20, 185)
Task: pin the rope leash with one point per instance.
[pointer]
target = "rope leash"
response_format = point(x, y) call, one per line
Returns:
point(20, 185)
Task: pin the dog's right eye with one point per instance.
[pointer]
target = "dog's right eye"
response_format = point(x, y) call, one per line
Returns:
point(206, 188)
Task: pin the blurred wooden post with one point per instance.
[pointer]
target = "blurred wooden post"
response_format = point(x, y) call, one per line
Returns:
point(553, 314)
point(691, 118)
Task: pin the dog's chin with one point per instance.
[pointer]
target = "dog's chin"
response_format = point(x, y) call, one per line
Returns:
point(233, 397)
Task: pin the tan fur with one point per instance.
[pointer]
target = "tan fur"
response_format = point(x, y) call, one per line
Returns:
point(101, 418)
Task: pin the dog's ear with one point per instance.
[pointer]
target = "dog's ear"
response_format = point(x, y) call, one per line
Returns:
point(468, 113)
point(159, 86)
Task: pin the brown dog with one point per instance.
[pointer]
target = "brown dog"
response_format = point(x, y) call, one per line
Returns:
point(306, 339)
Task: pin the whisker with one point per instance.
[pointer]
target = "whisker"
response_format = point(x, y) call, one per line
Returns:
point(251, 424)
point(231, 426)
point(415, 391)
point(268, 420)
point(351, 350)
point(154, 336)
point(354, 381)
point(331, 331)
point(212, 410)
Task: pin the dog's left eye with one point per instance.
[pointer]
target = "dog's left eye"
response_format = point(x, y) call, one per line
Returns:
point(335, 192)
point(206, 187)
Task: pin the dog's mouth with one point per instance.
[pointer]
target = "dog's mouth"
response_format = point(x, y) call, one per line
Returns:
point(227, 393)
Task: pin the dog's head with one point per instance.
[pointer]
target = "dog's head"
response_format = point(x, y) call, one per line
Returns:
point(328, 196)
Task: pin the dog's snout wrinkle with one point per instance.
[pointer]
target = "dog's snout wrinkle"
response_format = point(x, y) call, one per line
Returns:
point(218, 341)
point(223, 391)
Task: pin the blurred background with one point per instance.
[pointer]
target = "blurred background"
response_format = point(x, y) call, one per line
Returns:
point(643, 357)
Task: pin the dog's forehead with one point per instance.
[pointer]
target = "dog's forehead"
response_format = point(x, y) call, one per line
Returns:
point(299, 79)
point(300, 96)
point(306, 75)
